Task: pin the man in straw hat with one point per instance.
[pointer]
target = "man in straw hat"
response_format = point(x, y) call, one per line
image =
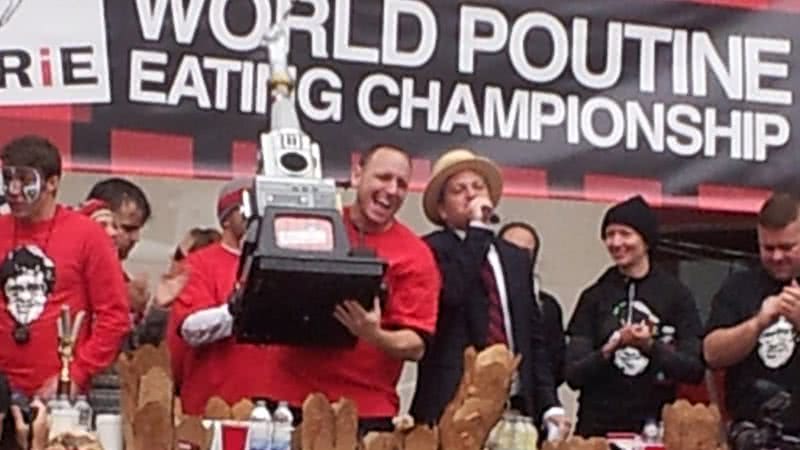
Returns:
point(486, 295)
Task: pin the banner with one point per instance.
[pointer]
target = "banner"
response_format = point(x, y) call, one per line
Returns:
point(53, 52)
point(689, 103)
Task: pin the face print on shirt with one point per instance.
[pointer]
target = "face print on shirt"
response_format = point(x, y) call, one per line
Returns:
point(630, 360)
point(27, 278)
point(776, 344)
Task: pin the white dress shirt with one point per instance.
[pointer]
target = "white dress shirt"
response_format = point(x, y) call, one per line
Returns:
point(497, 268)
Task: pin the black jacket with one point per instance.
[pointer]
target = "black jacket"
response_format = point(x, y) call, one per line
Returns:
point(554, 339)
point(463, 321)
point(620, 393)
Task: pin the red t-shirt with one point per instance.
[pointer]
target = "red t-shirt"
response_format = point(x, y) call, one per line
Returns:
point(365, 374)
point(224, 368)
point(88, 277)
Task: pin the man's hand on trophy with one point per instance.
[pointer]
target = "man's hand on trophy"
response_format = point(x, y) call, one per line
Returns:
point(362, 323)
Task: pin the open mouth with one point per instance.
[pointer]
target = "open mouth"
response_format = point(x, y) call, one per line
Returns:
point(383, 204)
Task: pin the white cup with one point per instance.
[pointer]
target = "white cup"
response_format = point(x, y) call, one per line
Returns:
point(109, 431)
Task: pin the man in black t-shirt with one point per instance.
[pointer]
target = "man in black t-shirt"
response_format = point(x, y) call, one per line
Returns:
point(752, 329)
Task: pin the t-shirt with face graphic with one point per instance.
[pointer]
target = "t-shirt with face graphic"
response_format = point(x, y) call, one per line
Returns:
point(28, 277)
point(621, 393)
point(67, 260)
point(775, 356)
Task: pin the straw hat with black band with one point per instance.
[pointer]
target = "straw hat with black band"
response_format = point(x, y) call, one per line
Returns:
point(451, 163)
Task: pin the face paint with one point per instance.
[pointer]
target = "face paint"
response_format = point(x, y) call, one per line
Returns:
point(22, 180)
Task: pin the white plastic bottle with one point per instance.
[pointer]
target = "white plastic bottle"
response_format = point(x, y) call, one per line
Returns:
point(282, 427)
point(260, 435)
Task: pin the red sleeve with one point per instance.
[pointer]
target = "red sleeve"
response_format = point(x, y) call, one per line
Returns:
point(108, 307)
point(198, 293)
point(414, 292)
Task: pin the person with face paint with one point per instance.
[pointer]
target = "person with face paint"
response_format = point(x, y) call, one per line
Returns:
point(54, 256)
point(634, 334)
point(752, 329)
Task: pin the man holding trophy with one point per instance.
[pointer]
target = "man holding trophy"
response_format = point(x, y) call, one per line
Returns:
point(388, 335)
point(297, 267)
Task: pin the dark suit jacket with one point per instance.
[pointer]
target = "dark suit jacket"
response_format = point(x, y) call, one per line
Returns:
point(463, 321)
point(555, 341)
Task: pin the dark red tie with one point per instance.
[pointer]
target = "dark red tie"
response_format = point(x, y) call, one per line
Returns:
point(497, 329)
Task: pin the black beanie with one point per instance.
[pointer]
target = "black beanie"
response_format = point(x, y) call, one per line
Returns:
point(637, 214)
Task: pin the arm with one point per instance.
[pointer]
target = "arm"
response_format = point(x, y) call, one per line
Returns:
point(584, 359)
point(411, 309)
point(207, 326)
point(405, 345)
point(107, 298)
point(200, 317)
point(725, 347)
point(729, 342)
point(682, 363)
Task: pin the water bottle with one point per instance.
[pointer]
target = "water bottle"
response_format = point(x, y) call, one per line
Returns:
point(260, 435)
point(650, 431)
point(59, 403)
point(282, 427)
point(84, 413)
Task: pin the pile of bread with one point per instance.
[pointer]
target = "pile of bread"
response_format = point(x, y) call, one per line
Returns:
point(153, 419)
point(693, 427)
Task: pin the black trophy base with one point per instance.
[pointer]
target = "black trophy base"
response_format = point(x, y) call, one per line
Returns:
point(290, 300)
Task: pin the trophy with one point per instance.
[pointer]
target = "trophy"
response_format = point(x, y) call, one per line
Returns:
point(296, 263)
point(67, 337)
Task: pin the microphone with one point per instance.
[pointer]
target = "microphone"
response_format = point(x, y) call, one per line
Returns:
point(490, 216)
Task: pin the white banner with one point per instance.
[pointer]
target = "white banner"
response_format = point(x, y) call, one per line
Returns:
point(53, 51)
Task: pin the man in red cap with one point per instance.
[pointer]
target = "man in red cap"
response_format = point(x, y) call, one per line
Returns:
point(206, 360)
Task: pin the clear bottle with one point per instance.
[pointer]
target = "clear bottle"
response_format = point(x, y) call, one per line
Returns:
point(260, 435)
point(85, 413)
point(59, 403)
point(282, 427)
point(63, 415)
point(650, 432)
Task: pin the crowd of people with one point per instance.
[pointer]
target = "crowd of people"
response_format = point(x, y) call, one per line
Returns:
point(634, 339)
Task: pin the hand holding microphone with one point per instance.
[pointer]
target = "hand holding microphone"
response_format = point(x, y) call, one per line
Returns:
point(481, 209)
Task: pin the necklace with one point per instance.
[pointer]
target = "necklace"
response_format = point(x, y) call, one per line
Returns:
point(21, 333)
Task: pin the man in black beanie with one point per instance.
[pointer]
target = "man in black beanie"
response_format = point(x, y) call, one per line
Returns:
point(635, 333)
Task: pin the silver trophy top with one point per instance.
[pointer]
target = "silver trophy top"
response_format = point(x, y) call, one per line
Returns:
point(277, 41)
